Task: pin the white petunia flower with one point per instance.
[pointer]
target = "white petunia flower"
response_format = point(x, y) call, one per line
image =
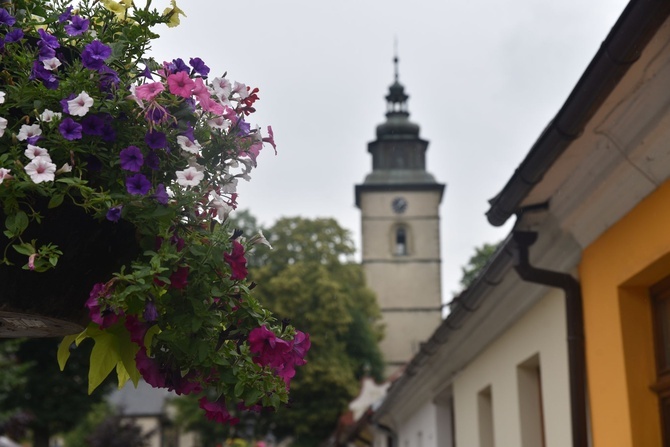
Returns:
point(51, 64)
point(3, 126)
point(79, 106)
point(2, 97)
point(36, 151)
point(40, 169)
point(189, 146)
point(49, 115)
point(219, 123)
point(5, 174)
point(190, 176)
point(28, 131)
point(65, 168)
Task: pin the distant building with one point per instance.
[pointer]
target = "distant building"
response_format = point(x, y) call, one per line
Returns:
point(150, 409)
point(400, 232)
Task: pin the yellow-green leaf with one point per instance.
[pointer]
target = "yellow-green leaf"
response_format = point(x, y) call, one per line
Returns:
point(104, 357)
point(64, 350)
point(122, 374)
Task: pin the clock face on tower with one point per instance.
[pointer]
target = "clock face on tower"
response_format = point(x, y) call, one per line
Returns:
point(399, 205)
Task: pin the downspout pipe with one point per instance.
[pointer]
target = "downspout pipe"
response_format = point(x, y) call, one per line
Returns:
point(575, 328)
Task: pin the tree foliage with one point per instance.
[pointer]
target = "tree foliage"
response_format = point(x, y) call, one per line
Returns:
point(476, 263)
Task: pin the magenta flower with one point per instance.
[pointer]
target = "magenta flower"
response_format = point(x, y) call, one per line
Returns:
point(137, 329)
point(179, 279)
point(137, 185)
point(131, 159)
point(180, 84)
point(101, 313)
point(270, 350)
point(237, 261)
point(217, 411)
point(270, 139)
point(149, 369)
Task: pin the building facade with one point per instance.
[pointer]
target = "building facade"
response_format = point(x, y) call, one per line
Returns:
point(399, 202)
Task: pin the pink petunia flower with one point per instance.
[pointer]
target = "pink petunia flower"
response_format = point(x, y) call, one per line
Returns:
point(149, 91)
point(180, 84)
point(237, 261)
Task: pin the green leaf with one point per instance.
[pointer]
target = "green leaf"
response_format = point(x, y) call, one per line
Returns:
point(56, 200)
point(24, 249)
point(239, 389)
point(17, 223)
point(64, 350)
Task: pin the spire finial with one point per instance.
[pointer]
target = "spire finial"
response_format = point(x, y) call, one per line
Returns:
point(395, 57)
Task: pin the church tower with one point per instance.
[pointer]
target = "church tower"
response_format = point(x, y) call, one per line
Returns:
point(400, 232)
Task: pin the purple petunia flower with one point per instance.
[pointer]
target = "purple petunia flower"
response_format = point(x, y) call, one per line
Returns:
point(114, 213)
point(94, 55)
point(64, 103)
point(47, 77)
point(65, 15)
point(6, 18)
point(243, 128)
point(108, 133)
point(137, 185)
point(131, 159)
point(150, 313)
point(78, 26)
point(70, 129)
point(161, 194)
point(47, 40)
point(147, 73)
point(93, 124)
point(152, 161)
point(199, 66)
point(109, 78)
point(14, 35)
point(179, 65)
point(155, 115)
point(155, 139)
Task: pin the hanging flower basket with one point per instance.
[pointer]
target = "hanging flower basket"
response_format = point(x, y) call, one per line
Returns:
point(117, 175)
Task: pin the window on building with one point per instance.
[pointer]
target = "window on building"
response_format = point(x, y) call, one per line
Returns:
point(660, 297)
point(485, 410)
point(445, 423)
point(401, 241)
point(531, 416)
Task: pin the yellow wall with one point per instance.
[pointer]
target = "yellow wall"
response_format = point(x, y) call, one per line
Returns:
point(616, 273)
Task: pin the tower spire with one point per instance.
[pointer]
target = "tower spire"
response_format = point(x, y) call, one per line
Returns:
point(395, 57)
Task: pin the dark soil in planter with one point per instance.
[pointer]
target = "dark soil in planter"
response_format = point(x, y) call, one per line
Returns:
point(92, 251)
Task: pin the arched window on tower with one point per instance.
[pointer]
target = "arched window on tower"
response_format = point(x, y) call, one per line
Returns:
point(401, 241)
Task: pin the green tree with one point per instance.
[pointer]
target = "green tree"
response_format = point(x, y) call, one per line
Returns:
point(56, 400)
point(476, 263)
point(310, 276)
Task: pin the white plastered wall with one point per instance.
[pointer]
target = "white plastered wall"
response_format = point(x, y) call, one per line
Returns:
point(541, 331)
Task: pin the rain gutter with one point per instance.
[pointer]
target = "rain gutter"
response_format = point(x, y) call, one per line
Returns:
point(623, 46)
point(575, 329)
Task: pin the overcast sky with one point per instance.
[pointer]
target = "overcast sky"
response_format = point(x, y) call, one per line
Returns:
point(484, 78)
